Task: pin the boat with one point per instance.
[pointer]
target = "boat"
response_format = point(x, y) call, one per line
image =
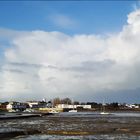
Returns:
point(12, 110)
point(103, 110)
point(72, 110)
point(53, 111)
point(104, 113)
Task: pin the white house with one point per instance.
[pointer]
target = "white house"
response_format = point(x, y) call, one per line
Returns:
point(66, 106)
point(33, 104)
point(39, 104)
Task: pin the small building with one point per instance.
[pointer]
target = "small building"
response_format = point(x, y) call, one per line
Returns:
point(133, 106)
point(33, 104)
point(38, 104)
point(67, 106)
point(17, 106)
point(3, 106)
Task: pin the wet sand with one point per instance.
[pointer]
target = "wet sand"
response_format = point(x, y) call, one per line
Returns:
point(72, 125)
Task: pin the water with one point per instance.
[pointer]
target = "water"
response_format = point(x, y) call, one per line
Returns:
point(116, 126)
point(96, 137)
point(97, 114)
point(82, 114)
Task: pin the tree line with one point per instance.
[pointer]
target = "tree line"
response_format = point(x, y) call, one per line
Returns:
point(95, 105)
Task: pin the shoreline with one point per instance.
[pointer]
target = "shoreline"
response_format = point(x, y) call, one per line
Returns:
point(6, 116)
point(70, 125)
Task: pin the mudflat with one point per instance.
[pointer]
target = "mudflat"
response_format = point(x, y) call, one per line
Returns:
point(73, 124)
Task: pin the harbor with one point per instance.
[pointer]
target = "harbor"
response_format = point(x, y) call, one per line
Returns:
point(69, 70)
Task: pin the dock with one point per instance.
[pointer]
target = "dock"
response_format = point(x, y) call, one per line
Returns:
point(21, 115)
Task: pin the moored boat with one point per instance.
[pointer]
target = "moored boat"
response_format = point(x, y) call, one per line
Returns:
point(72, 110)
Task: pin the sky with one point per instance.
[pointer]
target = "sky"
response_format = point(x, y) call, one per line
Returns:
point(84, 50)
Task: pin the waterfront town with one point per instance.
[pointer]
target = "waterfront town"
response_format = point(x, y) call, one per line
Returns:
point(60, 119)
point(64, 105)
point(69, 70)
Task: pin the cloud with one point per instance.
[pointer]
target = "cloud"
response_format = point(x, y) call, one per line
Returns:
point(92, 66)
point(62, 20)
point(14, 70)
point(9, 34)
point(82, 67)
point(26, 65)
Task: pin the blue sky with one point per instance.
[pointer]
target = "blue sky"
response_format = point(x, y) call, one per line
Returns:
point(85, 50)
point(84, 17)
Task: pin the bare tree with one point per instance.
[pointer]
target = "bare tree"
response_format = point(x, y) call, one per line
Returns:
point(66, 101)
point(76, 103)
point(56, 101)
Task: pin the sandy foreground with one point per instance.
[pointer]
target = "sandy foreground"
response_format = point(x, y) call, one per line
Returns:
point(67, 124)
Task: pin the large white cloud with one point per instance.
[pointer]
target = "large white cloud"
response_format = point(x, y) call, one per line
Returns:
point(47, 64)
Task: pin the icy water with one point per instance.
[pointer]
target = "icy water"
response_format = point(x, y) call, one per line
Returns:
point(116, 126)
